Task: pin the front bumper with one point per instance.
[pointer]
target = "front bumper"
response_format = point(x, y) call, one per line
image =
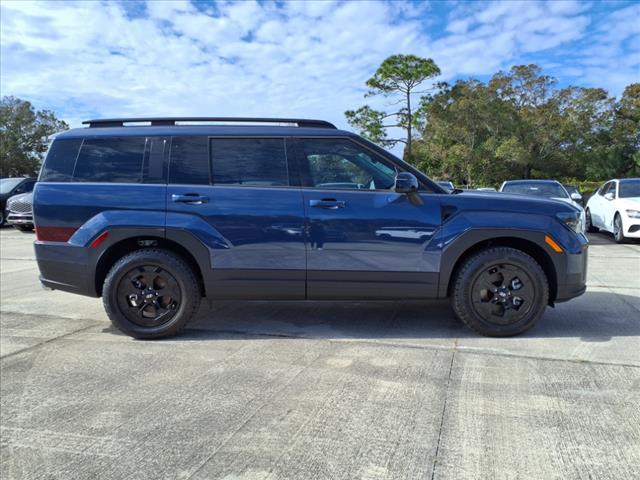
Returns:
point(19, 219)
point(572, 274)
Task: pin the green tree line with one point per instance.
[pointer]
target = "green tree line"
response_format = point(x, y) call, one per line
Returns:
point(519, 124)
point(23, 136)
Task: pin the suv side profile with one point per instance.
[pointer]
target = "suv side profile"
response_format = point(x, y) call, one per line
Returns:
point(157, 215)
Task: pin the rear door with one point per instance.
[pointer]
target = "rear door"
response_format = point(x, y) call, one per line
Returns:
point(365, 240)
point(236, 195)
point(83, 178)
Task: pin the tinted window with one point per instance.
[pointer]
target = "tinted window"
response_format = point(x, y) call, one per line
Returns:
point(338, 163)
point(27, 186)
point(117, 160)
point(249, 161)
point(58, 166)
point(629, 188)
point(189, 160)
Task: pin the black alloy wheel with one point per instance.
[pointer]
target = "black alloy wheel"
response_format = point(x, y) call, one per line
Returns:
point(151, 293)
point(500, 291)
point(503, 294)
point(149, 296)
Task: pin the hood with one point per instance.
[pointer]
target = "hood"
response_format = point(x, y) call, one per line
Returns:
point(23, 197)
point(509, 202)
point(630, 202)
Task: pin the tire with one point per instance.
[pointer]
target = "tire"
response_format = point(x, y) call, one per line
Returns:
point(618, 230)
point(589, 224)
point(151, 293)
point(2, 218)
point(515, 296)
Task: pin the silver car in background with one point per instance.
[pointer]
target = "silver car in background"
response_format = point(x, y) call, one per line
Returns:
point(551, 189)
point(20, 211)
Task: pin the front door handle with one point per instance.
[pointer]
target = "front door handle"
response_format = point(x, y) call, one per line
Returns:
point(190, 198)
point(330, 203)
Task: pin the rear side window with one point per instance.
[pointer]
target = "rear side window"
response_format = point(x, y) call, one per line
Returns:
point(189, 161)
point(58, 166)
point(116, 160)
point(249, 162)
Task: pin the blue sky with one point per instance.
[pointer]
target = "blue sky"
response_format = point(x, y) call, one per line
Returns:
point(310, 59)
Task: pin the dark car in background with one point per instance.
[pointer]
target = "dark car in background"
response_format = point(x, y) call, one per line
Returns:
point(155, 214)
point(10, 187)
point(19, 211)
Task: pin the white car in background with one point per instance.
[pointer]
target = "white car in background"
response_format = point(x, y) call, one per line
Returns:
point(615, 207)
point(551, 189)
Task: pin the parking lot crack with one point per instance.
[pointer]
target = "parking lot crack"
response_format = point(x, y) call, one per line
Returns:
point(444, 412)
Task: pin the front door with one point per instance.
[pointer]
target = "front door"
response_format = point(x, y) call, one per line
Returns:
point(364, 240)
point(235, 194)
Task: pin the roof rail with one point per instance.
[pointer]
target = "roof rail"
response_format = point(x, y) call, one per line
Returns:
point(168, 121)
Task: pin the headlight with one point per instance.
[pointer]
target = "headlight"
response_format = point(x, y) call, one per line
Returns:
point(633, 213)
point(571, 220)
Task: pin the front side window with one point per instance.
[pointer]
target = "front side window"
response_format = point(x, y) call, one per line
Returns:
point(115, 160)
point(249, 162)
point(342, 164)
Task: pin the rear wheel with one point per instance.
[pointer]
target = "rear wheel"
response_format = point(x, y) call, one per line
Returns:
point(500, 292)
point(151, 293)
point(618, 231)
point(589, 223)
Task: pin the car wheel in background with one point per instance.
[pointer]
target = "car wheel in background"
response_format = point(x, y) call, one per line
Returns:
point(500, 292)
point(589, 223)
point(1, 218)
point(151, 293)
point(618, 231)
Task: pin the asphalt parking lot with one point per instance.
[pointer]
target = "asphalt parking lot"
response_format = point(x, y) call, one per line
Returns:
point(370, 390)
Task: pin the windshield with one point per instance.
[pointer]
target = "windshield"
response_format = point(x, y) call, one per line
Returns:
point(629, 188)
point(8, 184)
point(546, 190)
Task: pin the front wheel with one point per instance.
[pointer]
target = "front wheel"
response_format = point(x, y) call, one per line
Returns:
point(151, 293)
point(500, 292)
point(618, 230)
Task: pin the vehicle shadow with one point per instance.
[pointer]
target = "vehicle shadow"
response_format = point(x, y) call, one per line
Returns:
point(594, 317)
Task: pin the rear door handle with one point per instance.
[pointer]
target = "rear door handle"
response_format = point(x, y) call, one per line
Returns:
point(190, 198)
point(330, 203)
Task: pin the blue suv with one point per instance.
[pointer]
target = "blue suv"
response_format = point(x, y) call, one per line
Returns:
point(154, 214)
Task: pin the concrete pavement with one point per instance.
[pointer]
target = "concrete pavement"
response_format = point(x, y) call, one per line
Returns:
point(370, 390)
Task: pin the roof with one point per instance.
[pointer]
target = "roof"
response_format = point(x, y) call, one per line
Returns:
point(209, 130)
point(532, 180)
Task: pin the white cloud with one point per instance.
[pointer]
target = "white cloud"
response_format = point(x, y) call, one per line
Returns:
point(311, 59)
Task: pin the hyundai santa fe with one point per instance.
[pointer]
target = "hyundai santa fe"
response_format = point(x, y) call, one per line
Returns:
point(154, 214)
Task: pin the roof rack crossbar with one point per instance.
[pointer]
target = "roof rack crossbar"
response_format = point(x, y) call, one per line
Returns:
point(169, 121)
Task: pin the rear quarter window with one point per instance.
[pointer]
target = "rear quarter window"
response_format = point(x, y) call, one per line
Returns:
point(115, 160)
point(60, 160)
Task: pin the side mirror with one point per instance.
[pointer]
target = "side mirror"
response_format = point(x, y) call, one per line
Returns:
point(609, 196)
point(406, 183)
point(576, 196)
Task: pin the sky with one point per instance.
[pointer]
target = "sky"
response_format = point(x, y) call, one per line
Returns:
point(310, 59)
